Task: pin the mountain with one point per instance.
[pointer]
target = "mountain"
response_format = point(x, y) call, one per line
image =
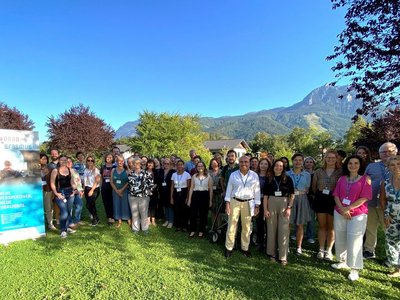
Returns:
point(126, 130)
point(322, 108)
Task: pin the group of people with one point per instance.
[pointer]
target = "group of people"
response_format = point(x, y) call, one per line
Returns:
point(348, 198)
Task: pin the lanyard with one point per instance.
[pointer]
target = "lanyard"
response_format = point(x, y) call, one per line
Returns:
point(349, 184)
point(296, 178)
point(244, 182)
point(278, 184)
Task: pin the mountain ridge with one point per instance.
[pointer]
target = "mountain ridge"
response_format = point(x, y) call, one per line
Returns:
point(329, 108)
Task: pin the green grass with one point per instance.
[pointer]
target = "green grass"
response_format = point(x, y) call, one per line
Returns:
point(109, 263)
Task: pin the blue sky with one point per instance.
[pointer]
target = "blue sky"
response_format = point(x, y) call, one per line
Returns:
point(214, 58)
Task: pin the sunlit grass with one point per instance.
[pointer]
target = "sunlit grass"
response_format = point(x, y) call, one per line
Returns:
point(108, 263)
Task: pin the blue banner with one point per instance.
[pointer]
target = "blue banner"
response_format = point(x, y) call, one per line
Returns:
point(21, 196)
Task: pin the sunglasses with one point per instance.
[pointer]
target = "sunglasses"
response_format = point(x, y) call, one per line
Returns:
point(90, 160)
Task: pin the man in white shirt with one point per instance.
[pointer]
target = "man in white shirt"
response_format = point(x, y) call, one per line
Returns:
point(242, 200)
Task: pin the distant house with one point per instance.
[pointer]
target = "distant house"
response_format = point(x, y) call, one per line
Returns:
point(125, 150)
point(239, 145)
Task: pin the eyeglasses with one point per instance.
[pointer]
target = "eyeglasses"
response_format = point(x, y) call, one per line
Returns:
point(387, 151)
point(89, 160)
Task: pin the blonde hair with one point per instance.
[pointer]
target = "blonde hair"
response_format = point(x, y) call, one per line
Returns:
point(334, 152)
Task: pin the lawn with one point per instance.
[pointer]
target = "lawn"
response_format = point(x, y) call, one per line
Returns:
point(109, 263)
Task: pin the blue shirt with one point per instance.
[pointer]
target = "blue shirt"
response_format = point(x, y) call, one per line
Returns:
point(378, 172)
point(301, 181)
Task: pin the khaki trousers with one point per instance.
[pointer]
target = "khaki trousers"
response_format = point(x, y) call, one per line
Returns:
point(375, 217)
point(277, 228)
point(242, 210)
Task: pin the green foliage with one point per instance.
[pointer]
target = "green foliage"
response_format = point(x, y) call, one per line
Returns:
point(353, 134)
point(163, 134)
point(368, 52)
point(308, 141)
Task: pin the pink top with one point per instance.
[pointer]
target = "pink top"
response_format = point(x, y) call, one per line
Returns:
point(353, 191)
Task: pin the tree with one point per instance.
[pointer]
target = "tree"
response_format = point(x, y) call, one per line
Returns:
point(353, 134)
point(383, 129)
point(79, 129)
point(163, 134)
point(12, 118)
point(275, 144)
point(369, 52)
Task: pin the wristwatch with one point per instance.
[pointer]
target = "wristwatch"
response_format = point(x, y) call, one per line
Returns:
point(289, 206)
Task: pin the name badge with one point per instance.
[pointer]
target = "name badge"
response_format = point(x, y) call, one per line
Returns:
point(178, 189)
point(278, 194)
point(118, 181)
point(214, 187)
point(44, 182)
point(164, 184)
point(325, 192)
point(107, 180)
point(297, 193)
point(396, 206)
point(346, 201)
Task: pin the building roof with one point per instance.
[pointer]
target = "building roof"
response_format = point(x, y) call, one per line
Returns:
point(123, 148)
point(227, 144)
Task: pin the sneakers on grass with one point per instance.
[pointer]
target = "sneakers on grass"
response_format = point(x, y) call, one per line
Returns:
point(328, 255)
point(70, 230)
point(353, 276)
point(298, 252)
point(340, 266)
point(63, 234)
point(321, 254)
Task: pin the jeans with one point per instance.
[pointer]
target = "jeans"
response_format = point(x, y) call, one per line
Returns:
point(78, 205)
point(65, 206)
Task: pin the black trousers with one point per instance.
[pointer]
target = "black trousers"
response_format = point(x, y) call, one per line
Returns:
point(91, 201)
point(199, 210)
point(180, 208)
point(106, 194)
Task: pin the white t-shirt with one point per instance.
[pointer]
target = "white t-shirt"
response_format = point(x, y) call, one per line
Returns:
point(180, 181)
point(89, 176)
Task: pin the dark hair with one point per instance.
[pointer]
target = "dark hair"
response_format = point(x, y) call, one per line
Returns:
point(214, 159)
point(284, 177)
point(150, 161)
point(205, 169)
point(179, 161)
point(79, 152)
point(105, 157)
point(44, 155)
point(197, 156)
point(345, 170)
point(342, 153)
point(287, 168)
point(231, 151)
point(297, 155)
point(366, 149)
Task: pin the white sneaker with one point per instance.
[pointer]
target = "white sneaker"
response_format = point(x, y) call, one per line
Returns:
point(321, 254)
point(165, 224)
point(298, 251)
point(353, 276)
point(70, 230)
point(63, 234)
point(170, 225)
point(311, 241)
point(339, 266)
point(328, 255)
